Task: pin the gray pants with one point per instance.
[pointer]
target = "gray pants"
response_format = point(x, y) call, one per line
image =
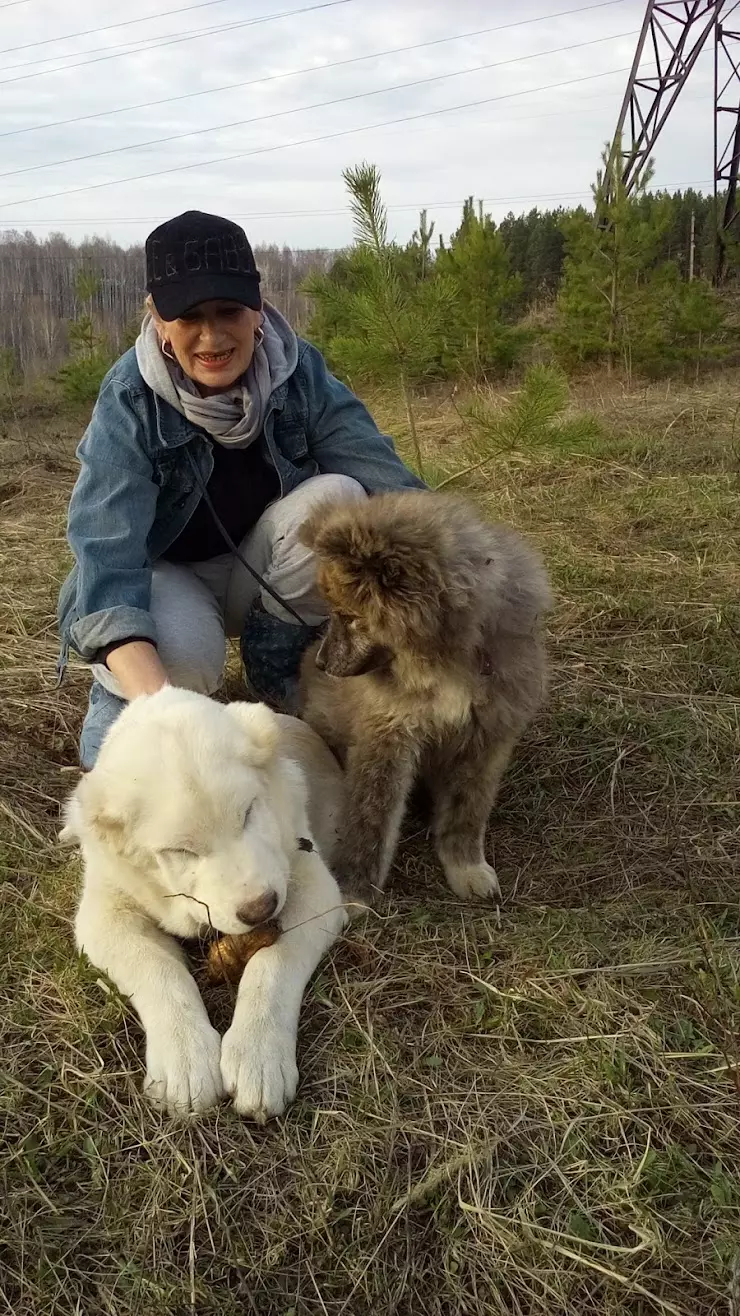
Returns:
point(197, 605)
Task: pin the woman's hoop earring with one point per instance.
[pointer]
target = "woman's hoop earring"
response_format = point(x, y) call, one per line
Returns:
point(259, 336)
point(169, 354)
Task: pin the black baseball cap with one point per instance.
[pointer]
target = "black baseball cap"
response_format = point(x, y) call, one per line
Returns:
point(196, 257)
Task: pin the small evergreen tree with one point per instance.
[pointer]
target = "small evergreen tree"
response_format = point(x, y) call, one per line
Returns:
point(610, 300)
point(534, 419)
point(421, 241)
point(697, 328)
point(382, 322)
point(91, 354)
point(479, 341)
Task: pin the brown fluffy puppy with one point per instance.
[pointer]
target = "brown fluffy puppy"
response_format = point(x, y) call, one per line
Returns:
point(432, 665)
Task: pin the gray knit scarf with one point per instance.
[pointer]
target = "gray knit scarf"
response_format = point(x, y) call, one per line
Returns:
point(234, 418)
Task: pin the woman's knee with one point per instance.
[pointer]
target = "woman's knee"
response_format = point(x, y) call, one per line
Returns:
point(283, 519)
point(331, 487)
point(191, 641)
point(195, 664)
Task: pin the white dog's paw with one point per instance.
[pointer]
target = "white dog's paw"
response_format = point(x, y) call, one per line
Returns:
point(473, 881)
point(183, 1068)
point(259, 1068)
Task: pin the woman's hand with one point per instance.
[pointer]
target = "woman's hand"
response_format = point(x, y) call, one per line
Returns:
point(137, 668)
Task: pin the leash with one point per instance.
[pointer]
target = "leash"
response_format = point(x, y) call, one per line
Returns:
point(236, 551)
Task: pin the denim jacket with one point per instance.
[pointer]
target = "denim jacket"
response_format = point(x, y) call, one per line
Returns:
point(137, 488)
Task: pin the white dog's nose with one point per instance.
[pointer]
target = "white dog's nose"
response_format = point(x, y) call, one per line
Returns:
point(259, 910)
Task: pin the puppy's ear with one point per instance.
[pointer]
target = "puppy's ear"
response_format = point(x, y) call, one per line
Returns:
point(261, 728)
point(309, 530)
point(327, 531)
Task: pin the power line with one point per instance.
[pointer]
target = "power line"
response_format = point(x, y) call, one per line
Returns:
point(203, 4)
point(293, 73)
point(520, 118)
point(134, 46)
point(317, 105)
point(344, 210)
point(160, 44)
point(88, 31)
point(309, 141)
point(144, 219)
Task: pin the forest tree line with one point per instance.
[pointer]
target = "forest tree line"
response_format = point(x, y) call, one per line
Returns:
point(48, 284)
point(625, 284)
point(634, 291)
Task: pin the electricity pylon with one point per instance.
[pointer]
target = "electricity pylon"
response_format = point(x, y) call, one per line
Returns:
point(673, 34)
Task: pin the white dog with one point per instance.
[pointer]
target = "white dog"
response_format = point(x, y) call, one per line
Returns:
point(196, 815)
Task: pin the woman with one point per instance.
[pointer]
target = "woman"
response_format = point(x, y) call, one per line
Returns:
point(219, 419)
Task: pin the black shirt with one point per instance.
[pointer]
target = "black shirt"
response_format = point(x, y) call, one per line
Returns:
point(241, 486)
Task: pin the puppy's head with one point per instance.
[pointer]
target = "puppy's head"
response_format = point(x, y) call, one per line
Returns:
point(193, 796)
point(385, 570)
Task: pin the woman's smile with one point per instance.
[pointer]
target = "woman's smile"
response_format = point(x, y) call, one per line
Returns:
point(215, 360)
point(213, 342)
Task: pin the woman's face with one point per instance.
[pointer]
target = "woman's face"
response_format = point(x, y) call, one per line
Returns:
point(213, 342)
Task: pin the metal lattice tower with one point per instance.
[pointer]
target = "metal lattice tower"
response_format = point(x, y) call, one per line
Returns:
point(726, 123)
point(673, 34)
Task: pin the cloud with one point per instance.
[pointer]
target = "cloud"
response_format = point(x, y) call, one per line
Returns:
point(537, 140)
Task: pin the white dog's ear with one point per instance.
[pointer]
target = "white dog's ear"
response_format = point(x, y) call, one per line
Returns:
point(88, 810)
point(262, 730)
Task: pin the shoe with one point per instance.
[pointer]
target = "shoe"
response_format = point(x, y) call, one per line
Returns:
point(271, 651)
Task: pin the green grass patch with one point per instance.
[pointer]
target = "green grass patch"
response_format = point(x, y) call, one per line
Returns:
point(540, 1115)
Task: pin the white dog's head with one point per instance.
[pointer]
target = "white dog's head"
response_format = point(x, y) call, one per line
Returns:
point(194, 795)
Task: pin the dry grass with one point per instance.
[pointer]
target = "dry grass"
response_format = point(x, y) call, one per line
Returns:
point(542, 1117)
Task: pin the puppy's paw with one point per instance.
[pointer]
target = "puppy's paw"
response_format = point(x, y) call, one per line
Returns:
point(359, 897)
point(258, 1065)
point(183, 1067)
point(473, 881)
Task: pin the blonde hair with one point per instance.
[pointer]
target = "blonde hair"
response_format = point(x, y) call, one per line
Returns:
point(156, 317)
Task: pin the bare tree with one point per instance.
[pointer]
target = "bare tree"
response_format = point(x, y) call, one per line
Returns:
point(40, 281)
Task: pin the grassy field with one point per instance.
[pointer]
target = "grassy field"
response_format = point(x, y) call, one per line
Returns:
point(541, 1117)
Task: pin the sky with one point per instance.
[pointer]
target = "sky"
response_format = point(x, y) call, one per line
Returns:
point(293, 92)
